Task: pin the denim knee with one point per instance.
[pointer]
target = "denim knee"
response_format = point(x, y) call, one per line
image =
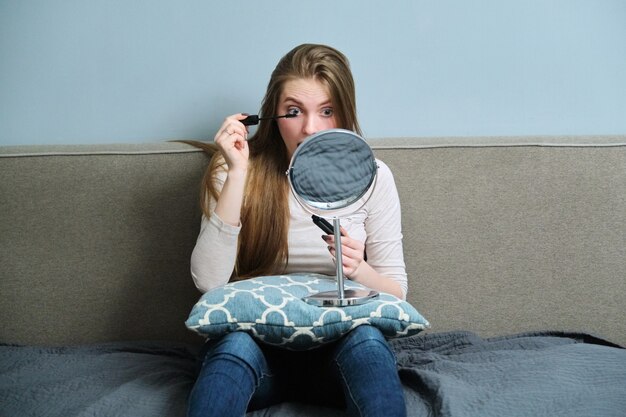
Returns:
point(241, 347)
point(367, 369)
point(369, 335)
point(232, 370)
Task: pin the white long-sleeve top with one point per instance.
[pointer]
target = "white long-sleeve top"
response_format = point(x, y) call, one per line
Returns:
point(377, 224)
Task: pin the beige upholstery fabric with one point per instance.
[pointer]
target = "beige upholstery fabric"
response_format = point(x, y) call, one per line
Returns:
point(96, 247)
point(501, 235)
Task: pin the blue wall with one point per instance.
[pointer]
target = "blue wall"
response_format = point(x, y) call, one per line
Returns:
point(80, 71)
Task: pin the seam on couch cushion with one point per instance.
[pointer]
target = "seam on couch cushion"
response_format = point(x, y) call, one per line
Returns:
point(95, 153)
point(563, 141)
point(504, 145)
point(589, 141)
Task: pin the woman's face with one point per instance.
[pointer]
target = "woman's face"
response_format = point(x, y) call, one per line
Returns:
point(309, 99)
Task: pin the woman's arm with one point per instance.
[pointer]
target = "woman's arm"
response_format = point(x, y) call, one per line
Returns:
point(214, 256)
point(231, 139)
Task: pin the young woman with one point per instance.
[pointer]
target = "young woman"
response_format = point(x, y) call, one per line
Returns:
point(253, 226)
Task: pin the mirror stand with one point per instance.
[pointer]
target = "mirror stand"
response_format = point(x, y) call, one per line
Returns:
point(341, 297)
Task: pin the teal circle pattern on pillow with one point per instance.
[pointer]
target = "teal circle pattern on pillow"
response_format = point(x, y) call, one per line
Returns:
point(271, 309)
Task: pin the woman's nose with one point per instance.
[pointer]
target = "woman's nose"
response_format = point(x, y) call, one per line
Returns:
point(311, 126)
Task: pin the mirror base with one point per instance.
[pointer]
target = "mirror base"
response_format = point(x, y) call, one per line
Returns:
point(331, 298)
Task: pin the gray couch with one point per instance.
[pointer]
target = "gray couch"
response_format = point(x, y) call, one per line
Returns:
point(501, 235)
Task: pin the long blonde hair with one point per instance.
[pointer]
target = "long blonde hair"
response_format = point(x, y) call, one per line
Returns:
point(263, 240)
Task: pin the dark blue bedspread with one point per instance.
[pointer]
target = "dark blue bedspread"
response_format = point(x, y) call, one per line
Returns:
point(533, 374)
point(444, 374)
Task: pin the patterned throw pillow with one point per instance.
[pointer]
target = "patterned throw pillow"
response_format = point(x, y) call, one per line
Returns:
point(271, 309)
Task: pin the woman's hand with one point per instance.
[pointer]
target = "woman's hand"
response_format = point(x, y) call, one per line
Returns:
point(352, 252)
point(357, 269)
point(231, 139)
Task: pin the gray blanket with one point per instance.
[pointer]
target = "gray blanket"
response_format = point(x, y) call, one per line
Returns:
point(445, 374)
point(116, 379)
point(534, 374)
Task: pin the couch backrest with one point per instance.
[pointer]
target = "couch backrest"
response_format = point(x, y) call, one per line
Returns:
point(500, 235)
point(514, 234)
point(96, 242)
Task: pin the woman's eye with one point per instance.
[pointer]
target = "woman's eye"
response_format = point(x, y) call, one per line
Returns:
point(294, 111)
point(328, 112)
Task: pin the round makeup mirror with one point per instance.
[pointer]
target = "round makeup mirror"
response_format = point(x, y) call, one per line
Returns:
point(332, 174)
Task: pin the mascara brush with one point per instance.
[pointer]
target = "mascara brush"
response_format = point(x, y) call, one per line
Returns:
point(254, 119)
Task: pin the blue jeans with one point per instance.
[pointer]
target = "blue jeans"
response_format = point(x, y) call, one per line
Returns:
point(357, 373)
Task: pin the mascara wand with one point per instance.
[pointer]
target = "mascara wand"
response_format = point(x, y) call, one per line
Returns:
point(254, 119)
